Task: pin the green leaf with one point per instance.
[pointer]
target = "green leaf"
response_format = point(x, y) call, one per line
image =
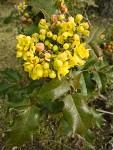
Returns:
point(95, 39)
point(98, 119)
point(97, 79)
point(17, 100)
point(47, 7)
point(54, 89)
point(4, 86)
point(103, 80)
point(31, 29)
point(57, 106)
point(11, 75)
point(91, 3)
point(89, 137)
point(77, 114)
point(100, 79)
point(23, 127)
point(101, 65)
point(86, 84)
point(76, 80)
point(95, 33)
point(83, 87)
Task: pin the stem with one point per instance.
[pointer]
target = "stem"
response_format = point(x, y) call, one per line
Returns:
point(86, 17)
point(103, 111)
point(3, 148)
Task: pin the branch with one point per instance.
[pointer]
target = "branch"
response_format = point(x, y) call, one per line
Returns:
point(103, 111)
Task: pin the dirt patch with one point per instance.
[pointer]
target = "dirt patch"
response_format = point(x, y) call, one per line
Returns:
point(8, 33)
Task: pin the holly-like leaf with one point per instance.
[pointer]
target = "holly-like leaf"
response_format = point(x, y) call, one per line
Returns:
point(89, 137)
point(97, 79)
point(86, 84)
point(77, 114)
point(54, 89)
point(11, 75)
point(100, 79)
point(31, 29)
point(98, 119)
point(109, 73)
point(94, 39)
point(91, 3)
point(17, 101)
point(4, 86)
point(23, 127)
point(76, 80)
point(46, 6)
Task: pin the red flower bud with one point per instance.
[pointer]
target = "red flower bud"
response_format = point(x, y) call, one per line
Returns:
point(23, 19)
point(40, 47)
point(64, 9)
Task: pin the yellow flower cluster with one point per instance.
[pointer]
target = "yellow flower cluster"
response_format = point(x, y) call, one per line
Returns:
point(55, 49)
point(21, 6)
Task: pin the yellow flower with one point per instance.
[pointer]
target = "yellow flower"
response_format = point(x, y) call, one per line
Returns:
point(19, 47)
point(27, 55)
point(60, 39)
point(21, 6)
point(76, 37)
point(52, 74)
point(19, 54)
point(86, 32)
point(65, 35)
point(37, 72)
point(62, 47)
point(85, 25)
point(82, 51)
point(46, 73)
point(28, 67)
point(70, 26)
point(34, 59)
point(63, 56)
point(76, 61)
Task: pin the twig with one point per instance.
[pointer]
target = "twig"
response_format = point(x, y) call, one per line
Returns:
point(103, 111)
point(3, 148)
point(87, 18)
point(57, 143)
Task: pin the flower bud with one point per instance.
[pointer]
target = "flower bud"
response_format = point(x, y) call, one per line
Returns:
point(76, 37)
point(57, 64)
point(66, 46)
point(80, 29)
point(52, 74)
point(42, 37)
point(64, 9)
point(54, 18)
point(45, 65)
point(85, 25)
point(61, 17)
point(26, 15)
point(29, 20)
point(23, 19)
point(47, 42)
point(42, 22)
point(49, 34)
point(78, 18)
point(55, 48)
point(54, 37)
point(40, 47)
point(43, 31)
